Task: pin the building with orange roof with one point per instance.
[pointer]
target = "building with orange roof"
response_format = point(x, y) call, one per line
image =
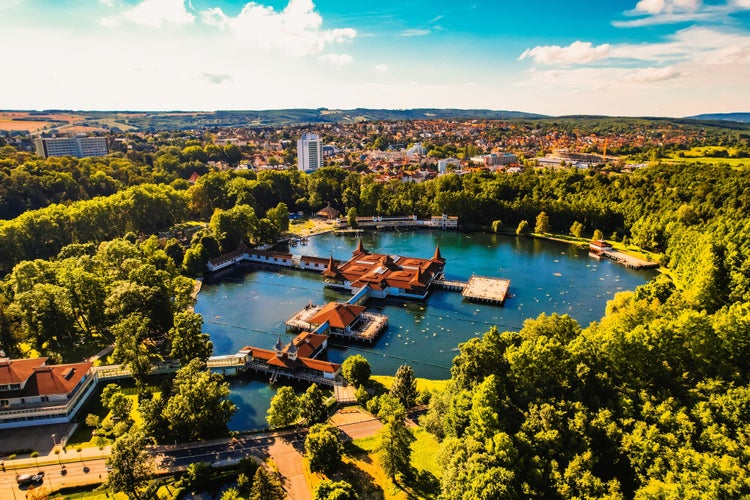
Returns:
point(386, 275)
point(297, 359)
point(34, 393)
point(341, 317)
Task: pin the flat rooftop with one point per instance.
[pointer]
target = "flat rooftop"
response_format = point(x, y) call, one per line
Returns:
point(483, 289)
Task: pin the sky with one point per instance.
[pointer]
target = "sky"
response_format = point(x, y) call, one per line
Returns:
point(554, 57)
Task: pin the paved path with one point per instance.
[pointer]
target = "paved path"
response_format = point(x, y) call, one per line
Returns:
point(287, 455)
point(285, 448)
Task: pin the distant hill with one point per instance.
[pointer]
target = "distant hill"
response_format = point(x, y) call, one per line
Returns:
point(730, 117)
point(178, 120)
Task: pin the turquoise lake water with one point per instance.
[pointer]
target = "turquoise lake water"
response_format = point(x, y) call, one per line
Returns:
point(250, 308)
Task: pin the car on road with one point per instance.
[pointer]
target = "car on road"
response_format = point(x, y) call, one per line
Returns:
point(27, 479)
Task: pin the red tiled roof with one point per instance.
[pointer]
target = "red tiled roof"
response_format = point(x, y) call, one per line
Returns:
point(307, 344)
point(380, 271)
point(41, 379)
point(17, 371)
point(56, 379)
point(337, 314)
point(318, 365)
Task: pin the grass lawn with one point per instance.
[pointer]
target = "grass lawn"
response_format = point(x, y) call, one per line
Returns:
point(698, 155)
point(423, 384)
point(83, 437)
point(92, 495)
point(362, 469)
point(306, 226)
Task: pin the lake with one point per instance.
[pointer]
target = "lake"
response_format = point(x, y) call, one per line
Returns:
point(249, 308)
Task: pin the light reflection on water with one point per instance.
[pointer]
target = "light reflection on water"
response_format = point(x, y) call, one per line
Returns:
point(549, 277)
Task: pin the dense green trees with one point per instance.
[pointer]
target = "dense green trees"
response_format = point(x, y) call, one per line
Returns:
point(394, 439)
point(130, 463)
point(404, 387)
point(323, 448)
point(284, 409)
point(199, 406)
point(356, 370)
point(632, 406)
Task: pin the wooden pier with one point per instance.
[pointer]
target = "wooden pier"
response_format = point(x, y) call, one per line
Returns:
point(488, 290)
point(455, 286)
point(478, 288)
point(367, 329)
point(300, 321)
point(628, 260)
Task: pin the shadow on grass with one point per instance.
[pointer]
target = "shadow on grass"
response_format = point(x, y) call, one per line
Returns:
point(377, 387)
point(354, 451)
point(420, 484)
point(363, 482)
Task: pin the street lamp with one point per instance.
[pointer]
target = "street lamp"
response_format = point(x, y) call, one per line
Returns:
point(54, 441)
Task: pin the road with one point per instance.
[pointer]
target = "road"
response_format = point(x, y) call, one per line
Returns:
point(286, 449)
point(54, 478)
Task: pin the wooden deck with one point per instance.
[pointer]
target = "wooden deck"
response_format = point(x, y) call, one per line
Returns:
point(367, 329)
point(484, 289)
point(300, 321)
point(628, 260)
point(457, 286)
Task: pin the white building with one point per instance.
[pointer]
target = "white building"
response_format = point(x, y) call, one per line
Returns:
point(309, 153)
point(80, 147)
point(446, 162)
point(35, 393)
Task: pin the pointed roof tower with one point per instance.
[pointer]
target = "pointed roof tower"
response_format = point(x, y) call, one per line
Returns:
point(279, 346)
point(437, 257)
point(360, 250)
point(331, 270)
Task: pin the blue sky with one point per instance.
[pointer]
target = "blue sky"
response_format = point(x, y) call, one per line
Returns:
point(613, 57)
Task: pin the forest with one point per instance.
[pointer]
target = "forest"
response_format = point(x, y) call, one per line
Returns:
point(652, 401)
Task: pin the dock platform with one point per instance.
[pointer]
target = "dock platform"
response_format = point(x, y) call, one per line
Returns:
point(628, 260)
point(488, 290)
point(301, 320)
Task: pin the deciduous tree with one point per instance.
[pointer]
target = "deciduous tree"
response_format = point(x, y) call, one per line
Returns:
point(323, 448)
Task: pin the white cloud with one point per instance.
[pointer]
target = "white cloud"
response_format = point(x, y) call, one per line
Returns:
point(296, 30)
point(650, 75)
point(336, 59)
point(9, 4)
point(415, 32)
point(655, 12)
point(576, 53)
point(654, 7)
point(214, 17)
point(381, 68)
point(153, 14)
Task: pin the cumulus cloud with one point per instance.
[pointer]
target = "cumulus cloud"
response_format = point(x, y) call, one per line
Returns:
point(576, 53)
point(297, 29)
point(381, 68)
point(336, 59)
point(153, 14)
point(650, 75)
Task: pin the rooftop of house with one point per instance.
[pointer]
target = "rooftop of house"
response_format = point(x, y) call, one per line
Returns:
point(41, 379)
point(337, 314)
point(380, 271)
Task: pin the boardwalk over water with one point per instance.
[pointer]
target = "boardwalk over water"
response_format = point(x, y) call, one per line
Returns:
point(628, 260)
point(478, 288)
point(366, 328)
